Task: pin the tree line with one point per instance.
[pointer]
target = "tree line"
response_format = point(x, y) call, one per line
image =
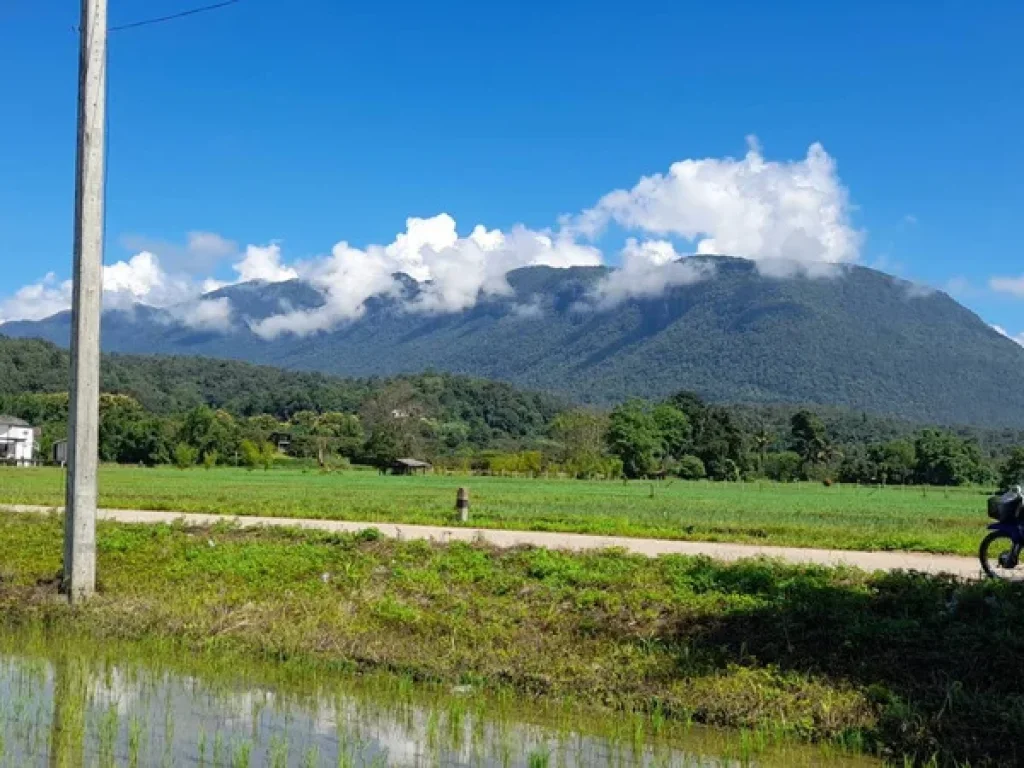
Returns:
point(213, 412)
point(682, 437)
point(688, 438)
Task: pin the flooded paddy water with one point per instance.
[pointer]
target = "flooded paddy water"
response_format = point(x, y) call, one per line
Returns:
point(69, 702)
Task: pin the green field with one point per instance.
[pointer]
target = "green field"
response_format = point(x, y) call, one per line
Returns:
point(847, 517)
point(896, 664)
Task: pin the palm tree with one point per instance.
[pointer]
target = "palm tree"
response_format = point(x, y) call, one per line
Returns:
point(762, 439)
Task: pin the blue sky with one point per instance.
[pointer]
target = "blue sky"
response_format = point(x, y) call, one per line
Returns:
point(307, 123)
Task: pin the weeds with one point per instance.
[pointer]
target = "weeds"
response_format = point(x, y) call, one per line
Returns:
point(901, 663)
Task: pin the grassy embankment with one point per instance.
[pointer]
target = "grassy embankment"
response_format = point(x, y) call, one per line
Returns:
point(807, 514)
point(904, 664)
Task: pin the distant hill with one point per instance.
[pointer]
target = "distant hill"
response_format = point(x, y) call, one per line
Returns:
point(169, 385)
point(862, 340)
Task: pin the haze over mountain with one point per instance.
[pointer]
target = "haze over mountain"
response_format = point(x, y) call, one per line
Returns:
point(729, 329)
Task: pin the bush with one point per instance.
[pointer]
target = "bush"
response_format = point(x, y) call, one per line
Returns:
point(784, 467)
point(184, 455)
point(724, 469)
point(257, 454)
point(691, 468)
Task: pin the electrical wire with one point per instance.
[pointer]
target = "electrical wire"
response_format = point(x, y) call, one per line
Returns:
point(173, 16)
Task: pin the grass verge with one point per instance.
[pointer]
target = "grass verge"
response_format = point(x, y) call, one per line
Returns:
point(903, 664)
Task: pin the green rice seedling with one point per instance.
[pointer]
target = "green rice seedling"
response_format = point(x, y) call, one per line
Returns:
point(538, 758)
point(241, 755)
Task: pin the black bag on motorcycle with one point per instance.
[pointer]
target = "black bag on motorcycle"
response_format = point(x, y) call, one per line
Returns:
point(1005, 508)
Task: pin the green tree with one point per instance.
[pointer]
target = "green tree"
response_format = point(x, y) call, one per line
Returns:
point(946, 459)
point(337, 433)
point(674, 429)
point(809, 436)
point(895, 460)
point(120, 417)
point(858, 466)
point(394, 418)
point(634, 437)
point(453, 434)
point(383, 447)
point(210, 431)
point(582, 435)
point(762, 440)
point(691, 468)
point(251, 453)
point(1012, 472)
point(783, 467)
point(184, 456)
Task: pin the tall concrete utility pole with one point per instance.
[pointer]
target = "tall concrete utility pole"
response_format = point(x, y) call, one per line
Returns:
point(83, 428)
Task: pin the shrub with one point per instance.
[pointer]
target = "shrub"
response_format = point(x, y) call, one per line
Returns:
point(184, 455)
point(691, 468)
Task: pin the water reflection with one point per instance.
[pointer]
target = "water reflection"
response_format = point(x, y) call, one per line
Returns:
point(69, 712)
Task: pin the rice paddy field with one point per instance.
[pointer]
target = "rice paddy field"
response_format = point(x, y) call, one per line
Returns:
point(219, 646)
point(946, 520)
point(67, 701)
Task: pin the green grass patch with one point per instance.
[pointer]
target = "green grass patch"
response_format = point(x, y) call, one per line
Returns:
point(904, 664)
point(805, 514)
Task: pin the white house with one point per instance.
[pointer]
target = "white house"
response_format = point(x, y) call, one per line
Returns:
point(17, 441)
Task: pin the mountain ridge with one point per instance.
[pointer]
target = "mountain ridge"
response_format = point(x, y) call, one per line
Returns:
point(858, 339)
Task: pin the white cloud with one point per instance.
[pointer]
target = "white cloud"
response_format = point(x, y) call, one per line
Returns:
point(139, 280)
point(136, 278)
point(917, 290)
point(1019, 338)
point(263, 263)
point(453, 271)
point(37, 301)
point(789, 216)
point(794, 211)
point(211, 245)
point(910, 219)
point(648, 268)
point(203, 314)
point(1011, 285)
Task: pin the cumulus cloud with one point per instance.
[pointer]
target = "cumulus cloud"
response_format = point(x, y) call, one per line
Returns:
point(1011, 285)
point(139, 280)
point(791, 212)
point(789, 216)
point(453, 271)
point(648, 269)
point(263, 263)
point(37, 301)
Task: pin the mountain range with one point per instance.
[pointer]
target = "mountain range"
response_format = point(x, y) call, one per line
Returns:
point(854, 338)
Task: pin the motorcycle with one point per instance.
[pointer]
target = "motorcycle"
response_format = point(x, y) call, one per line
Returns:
point(1001, 549)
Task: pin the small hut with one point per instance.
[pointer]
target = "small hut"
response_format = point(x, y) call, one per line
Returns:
point(282, 441)
point(409, 467)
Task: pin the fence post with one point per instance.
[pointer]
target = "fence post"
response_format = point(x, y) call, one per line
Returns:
point(462, 505)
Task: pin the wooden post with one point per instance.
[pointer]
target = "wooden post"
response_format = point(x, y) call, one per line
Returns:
point(462, 505)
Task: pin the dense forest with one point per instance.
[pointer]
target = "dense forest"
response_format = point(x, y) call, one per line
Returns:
point(191, 411)
point(859, 339)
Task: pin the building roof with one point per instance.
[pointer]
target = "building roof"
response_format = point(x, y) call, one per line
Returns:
point(12, 421)
point(412, 463)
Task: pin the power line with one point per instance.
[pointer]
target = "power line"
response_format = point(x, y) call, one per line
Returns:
point(173, 16)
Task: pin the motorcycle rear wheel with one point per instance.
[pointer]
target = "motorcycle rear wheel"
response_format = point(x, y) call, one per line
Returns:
point(998, 550)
